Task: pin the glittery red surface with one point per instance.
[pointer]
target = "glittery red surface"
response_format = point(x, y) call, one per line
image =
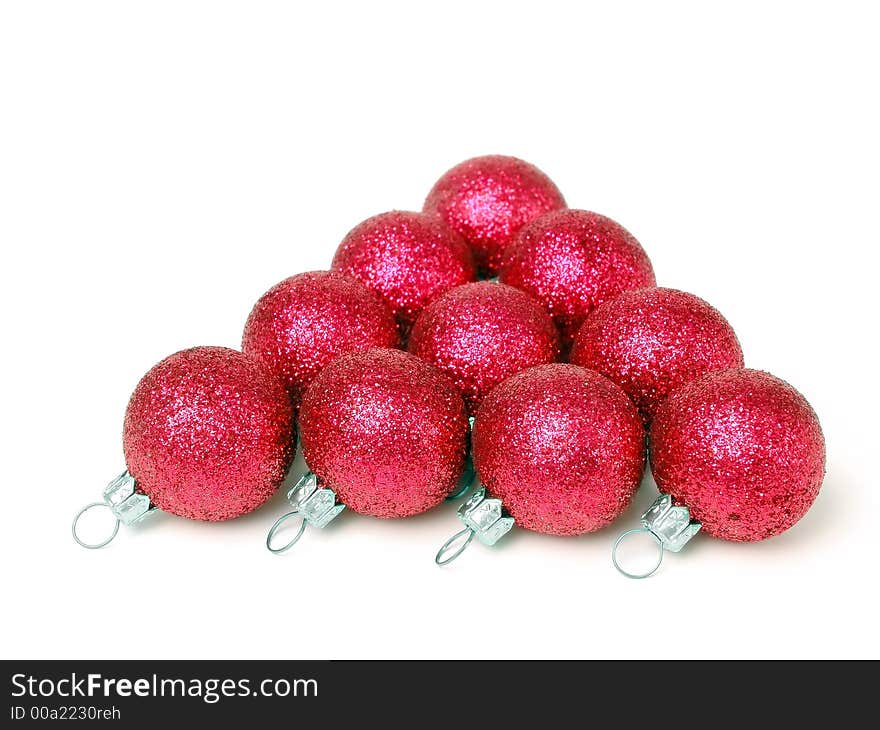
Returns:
point(573, 260)
point(386, 431)
point(481, 333)
point(562, 447)
point(488, 199)
point(208, 434)
point(303, 323)
point(742, 449)
point(651, 341)
point(409, 259)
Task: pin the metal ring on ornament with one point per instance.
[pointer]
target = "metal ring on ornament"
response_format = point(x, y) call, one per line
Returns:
point(637, 576)
point(440, 560)
point(277, 526)
point(90, 545)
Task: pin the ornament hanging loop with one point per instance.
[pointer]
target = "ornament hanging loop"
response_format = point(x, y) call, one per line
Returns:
point(454, 546)
point(482, 518)
point(670, 526)
point(277, 526)
point(94, 545)
point(313, 504)
point(127, 505)
point(636, 531)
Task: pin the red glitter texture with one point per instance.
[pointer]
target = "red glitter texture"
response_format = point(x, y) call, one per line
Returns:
point(481, 333)
point(562, 447)
point(303, 323)
point(409, 259)
point(208, 434)
point(386, 431)
point(488, 199)
point(742, 449)
point(651, 341)
point(573, 260)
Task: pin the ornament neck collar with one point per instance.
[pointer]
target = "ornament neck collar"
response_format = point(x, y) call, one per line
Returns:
point(670, 526)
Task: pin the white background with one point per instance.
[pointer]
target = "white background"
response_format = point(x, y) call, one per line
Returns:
point(163, 163)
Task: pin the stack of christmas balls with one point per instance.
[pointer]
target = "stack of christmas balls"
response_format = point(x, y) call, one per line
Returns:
point(497, 324)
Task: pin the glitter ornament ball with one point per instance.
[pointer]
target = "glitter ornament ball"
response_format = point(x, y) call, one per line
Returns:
point(573, 260)
point(742, 449)
point(652, 341)
point(488, 199)
point(209, 434)
point(481, 333)
point(303, 323)
point(386, 431)
point(561, 446)
point(407, 258)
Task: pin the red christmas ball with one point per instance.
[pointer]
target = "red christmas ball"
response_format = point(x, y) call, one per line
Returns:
point(386, 431)
point(209, 434)
point(562, 447)
point(303, 323)
point(652, 341)
point(741, 449)
point(408, 259)
point(573, 260)
point(481, 333)
point(488, 199)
